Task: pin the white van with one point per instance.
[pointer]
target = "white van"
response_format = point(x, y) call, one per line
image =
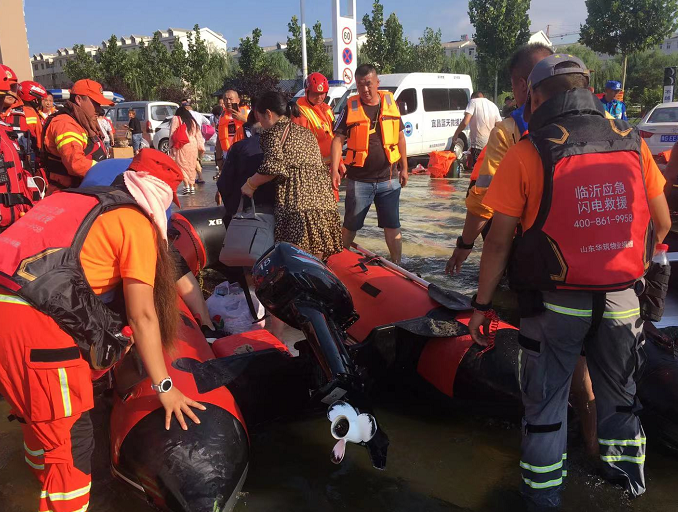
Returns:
point(432, 105)
point(334, 95)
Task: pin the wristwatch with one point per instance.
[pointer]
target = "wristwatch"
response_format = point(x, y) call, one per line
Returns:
point(480, 307)
point(164, 386)
point(462, 245)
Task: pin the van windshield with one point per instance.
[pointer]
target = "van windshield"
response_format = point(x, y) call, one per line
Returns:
point(342, 102)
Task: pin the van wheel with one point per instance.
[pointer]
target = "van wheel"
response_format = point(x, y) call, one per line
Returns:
point(459, 151)
point(163, 146)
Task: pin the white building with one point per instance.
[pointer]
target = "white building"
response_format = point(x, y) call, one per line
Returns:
point(49, 68)
point(467, 47)
point(670, 44)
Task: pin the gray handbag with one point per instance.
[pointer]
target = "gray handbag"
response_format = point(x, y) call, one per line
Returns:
point(249, 236)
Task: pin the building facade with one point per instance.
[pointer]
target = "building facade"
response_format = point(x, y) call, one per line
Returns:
point(467, 47)
point(14, 40)
point(49, 69)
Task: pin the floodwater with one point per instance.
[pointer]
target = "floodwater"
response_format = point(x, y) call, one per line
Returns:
point(442, 457)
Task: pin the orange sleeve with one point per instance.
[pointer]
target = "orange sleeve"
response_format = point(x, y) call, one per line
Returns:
point(301, 121)
point(67, 139)
point(654, 179)
point(507, 193)
point(121, 244)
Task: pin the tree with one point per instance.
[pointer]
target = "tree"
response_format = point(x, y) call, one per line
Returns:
point(82, 65)
point(429, 53)
point(386, 47)
point(501, 26)
point(113, 60)
point(317, 58)
point(279, 66)
point(626, 27)
point(154, 59)
point(178, 60)
point(462, 65)
point(252, 56)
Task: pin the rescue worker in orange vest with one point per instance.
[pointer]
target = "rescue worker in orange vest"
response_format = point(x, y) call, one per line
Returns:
point(73, 141)
point(11, 112)
point(376, 159)
point(586, 192)
point(317, 116)
point(116, 249)
point(32, 93)
point(231, 126)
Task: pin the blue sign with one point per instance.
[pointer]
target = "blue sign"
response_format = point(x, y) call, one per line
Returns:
point(408, 129)
point(347, 56)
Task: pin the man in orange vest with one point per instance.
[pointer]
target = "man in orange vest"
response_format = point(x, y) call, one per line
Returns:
point(376, 159)
point(72, 138)
point(317, 116)
point(11, 112)
point(231, 126)
point(31, 94)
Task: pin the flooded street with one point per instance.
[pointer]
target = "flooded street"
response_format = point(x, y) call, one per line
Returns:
point(442, 457)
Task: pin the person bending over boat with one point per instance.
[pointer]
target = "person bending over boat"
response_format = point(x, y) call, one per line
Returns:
point(306, 213)
point(71, 270)
point(575, 268)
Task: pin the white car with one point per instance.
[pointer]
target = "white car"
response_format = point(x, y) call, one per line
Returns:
point(659, 129)
point(337, 90)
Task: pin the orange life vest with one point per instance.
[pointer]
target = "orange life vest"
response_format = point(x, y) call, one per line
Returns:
point(358, 125)
point(320, 120)
point(229, 127)
point(593, 230)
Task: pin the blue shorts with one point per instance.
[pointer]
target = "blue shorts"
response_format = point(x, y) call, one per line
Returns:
point(136, 141)
point(386, 198)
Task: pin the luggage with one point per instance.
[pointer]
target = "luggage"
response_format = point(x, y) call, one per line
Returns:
point(249, 235)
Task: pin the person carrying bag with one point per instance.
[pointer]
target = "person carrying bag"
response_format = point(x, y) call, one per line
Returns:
point(248, 237)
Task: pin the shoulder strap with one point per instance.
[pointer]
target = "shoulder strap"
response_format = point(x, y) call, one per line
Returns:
point(283, 139)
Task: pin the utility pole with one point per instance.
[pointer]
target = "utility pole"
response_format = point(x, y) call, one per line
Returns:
point(304, 60)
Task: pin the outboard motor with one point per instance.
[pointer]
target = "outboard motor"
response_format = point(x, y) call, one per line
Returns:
point(301, 291)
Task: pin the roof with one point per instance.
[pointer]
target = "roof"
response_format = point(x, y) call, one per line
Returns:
point(457, 44)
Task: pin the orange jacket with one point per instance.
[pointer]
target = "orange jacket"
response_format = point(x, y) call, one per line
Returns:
point(229, 127)
point(70, 152)
point(320, 120)
point(35, 123)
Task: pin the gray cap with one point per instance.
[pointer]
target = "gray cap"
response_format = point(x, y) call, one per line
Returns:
point(546, 68)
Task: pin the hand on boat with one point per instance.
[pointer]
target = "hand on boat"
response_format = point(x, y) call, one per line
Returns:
point(478, 320)
point(176, 403)
point(454, 264)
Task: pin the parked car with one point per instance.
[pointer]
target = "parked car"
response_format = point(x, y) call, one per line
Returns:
point(334, 95)
point(659, 129)
point(432, 106)
point(150, 113)
point(162, 133)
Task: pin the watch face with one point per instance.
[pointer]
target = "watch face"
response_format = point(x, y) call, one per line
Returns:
point(166, 385)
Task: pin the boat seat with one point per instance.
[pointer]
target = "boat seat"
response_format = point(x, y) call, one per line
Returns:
point(251, 341)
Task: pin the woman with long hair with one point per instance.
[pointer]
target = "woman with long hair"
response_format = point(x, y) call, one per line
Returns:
point(188, 154)
point(306, 212)
point(55, 335)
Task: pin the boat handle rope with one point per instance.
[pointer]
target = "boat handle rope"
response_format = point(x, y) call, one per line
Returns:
point(494, 327)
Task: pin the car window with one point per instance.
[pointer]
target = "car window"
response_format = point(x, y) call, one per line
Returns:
point(436, 100)
point(664, 115)
point(458, 99)
point(122, 114)
point(409, 96)
point(160, 112)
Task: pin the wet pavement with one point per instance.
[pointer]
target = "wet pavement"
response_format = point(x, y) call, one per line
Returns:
point(442, 457)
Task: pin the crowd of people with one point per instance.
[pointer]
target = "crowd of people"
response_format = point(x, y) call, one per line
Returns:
point(560, 160)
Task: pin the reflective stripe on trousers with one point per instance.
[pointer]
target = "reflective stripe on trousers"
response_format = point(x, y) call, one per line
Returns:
point(551, 343)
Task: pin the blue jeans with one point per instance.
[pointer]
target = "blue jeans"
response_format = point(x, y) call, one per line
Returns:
point(136, 141)
point(386, 198)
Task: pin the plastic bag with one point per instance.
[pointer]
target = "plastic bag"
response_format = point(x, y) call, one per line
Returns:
point(440, 162)
point(228, 302)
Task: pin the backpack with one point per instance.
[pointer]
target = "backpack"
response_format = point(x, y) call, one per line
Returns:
point(180, 136)
point(207, 131)
point(18, 188)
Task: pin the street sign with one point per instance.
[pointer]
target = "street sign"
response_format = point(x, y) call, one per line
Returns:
point(347, 56)
point(347, 35)
point(348, 76)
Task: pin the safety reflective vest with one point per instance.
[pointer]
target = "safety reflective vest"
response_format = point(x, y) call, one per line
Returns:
point(593, 230)
point(63, 135)
point(40, 262)
point(320, 120)
point(231, 130)
point(359, 125)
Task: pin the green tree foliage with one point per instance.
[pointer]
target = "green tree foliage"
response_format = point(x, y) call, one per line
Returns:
point(501, 26)
point(154, 59)
point(428, 54)
point(625, 27)
point(113, 60)
point(601, 70)
point(386, 46)
point(462, 65)
point(82, 65)
point(399, 52)
point(317, 58)
point(252, 56)
point(178, 60)
point(279, 66)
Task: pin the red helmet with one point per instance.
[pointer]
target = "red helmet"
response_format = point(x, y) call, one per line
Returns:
point(7, 78)
point(31, 91)
point(316, 82)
